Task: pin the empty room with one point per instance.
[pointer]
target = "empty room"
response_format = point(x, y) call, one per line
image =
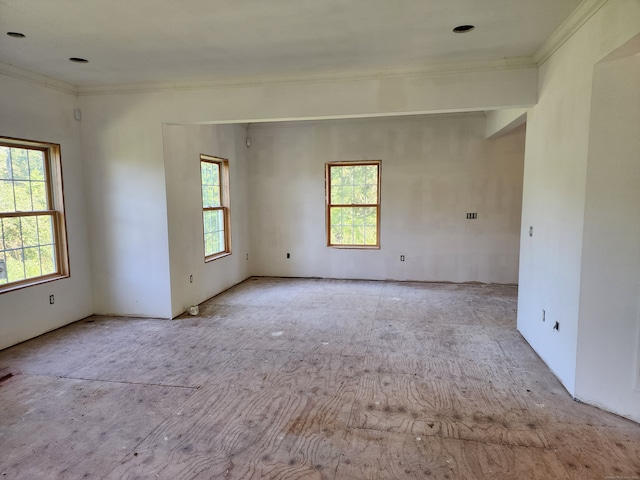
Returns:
point(320, 240)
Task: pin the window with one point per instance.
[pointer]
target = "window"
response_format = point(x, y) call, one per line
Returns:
point(353, 204)
point(215, 206)
point(33, 240)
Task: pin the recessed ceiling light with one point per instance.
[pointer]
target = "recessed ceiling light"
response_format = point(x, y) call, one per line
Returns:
point(464, 28)
point(16, 34)
point(78, 60)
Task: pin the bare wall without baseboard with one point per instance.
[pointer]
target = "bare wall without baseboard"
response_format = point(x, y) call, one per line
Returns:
point(435, 170)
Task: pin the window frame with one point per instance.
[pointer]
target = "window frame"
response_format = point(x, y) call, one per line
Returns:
point(223, 165)
point(329, 205)
point(55, 203)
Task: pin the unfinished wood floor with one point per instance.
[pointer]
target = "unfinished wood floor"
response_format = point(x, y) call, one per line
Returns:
point(305, 379)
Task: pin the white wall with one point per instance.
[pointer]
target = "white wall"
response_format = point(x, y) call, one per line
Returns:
point(434, 171)
point(183, 145)
point(504, 120)
point(608, 372)
point(34, 112)
point(125, 168)
point(127, 208)
point(555, 181)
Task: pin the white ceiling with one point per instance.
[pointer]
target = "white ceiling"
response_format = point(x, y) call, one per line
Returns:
point(131, 41)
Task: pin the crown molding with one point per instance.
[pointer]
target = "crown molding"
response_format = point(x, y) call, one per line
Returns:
point(330, 77)
point(572, 23)
point(42, 80)
point(411, 71)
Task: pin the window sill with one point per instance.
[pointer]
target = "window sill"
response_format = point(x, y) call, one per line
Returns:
point(211, 258)
point(31, 282)
point(356, 247)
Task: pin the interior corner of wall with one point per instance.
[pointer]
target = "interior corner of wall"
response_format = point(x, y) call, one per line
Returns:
point(501, 122)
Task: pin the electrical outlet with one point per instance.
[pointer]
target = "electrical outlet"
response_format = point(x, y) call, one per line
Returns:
point(288, 255)
point(247, 256)
point(52, 299)
point(402, 258)
point(472, 216)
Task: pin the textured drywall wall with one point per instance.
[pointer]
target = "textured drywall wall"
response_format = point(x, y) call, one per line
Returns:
point(434, 171)
point(503, 121)
point(124, 158)
point(36, 113)
point(127, 210)
point(607, 367)
point(183, 145)
point(555, 175)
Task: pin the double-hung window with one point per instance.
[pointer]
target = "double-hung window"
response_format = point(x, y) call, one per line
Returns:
point(215, 206)
point(353, 204)
point(33, 240)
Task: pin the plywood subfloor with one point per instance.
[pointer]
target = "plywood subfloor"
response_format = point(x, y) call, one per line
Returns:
point(305, 379)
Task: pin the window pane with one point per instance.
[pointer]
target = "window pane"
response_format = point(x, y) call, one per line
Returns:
point(371, 175)
point(12, 236)
point(27, 255)
point(334, 238)
point(354, 184)
point(371, 215)
point(370, 235)
point(336, 216)
point(335, 174)
point(206, 221)
point(347, 175)
point(213, 221)
point(214, 232)
point(221, 241)
point(23, 196)
point(353, 226)
point(368, 194)
point(211, 187)
point(32, 262)
point(337, 195)
point(218, 220)
point(216, 174)
point(36, 165)
point(45, 229)
point(336, 235)
point(3, 274)
point(205, 201)
point(347, 215)
point(7, 203)
point(48, 259)
point(206, 172)
point(359, 175)
point(15, 265)
point(5, 164)
point(211, 196)
point(208, 244)
point(215, 197)
point(20, 163)
point(39, 195)
point(29, 227)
